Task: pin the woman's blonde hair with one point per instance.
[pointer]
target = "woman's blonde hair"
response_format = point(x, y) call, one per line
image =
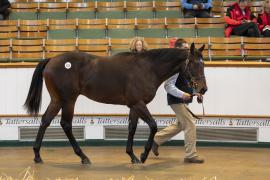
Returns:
point(132, 45)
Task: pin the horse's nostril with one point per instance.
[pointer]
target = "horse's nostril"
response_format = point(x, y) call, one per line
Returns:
point(203, 90)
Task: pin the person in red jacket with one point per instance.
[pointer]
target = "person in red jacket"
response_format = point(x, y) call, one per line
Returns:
point(264, 20)
point(241, 21)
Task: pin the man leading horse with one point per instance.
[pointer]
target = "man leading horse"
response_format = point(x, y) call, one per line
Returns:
point(179, 95)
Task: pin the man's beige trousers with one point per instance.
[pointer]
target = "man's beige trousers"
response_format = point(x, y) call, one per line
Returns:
point(184, 122)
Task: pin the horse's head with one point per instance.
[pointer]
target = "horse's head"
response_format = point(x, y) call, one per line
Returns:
point(195, 69)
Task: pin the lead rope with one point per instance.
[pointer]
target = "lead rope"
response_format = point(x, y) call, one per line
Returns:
point(203, 108)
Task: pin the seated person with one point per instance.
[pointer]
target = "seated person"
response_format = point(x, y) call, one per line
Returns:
point(241, 21)
point(197, 8)
point(264, 20)
point(4, 12)
point(138, 45)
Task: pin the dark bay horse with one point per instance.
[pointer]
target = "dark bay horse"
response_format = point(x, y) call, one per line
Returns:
point(126, 79)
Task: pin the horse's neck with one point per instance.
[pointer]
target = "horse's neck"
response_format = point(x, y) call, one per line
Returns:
point(166, 67)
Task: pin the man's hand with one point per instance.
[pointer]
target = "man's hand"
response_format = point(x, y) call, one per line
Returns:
point(266, 27)
point(195, 6)
point(201, 6)
point(199, 97)
point(245, 21)
point(186, 96)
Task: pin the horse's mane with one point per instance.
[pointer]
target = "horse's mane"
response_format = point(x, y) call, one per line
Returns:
point(164, 53)
point(124, 54)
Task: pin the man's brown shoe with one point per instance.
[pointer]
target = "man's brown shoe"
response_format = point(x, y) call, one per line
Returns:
point(155, 148)
point(195, 159)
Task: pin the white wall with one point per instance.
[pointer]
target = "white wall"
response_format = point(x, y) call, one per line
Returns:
point(232, 91)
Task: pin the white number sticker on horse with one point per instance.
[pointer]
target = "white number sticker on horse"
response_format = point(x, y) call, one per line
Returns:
point(67, 65)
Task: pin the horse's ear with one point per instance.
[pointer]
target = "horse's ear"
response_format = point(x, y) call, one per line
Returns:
point(192, 49)
point(201, 48)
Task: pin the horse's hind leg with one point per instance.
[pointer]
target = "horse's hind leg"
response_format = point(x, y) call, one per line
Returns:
point(46, 120)
point(141, 109)
point(133, 120)
point(66, 123)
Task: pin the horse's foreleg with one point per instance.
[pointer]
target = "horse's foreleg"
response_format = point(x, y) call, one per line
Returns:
point(141, 109)
point(66, 123)
point(46, 120)
point(133, 120)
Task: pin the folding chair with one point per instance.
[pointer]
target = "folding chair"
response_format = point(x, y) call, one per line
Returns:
point(62, 29)
point(92, 28)
point(27, 50)
point(32, 29)
point(99, 47)
point(54, 47)
point(121, 28)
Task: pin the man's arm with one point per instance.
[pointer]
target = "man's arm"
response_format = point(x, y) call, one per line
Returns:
point(186, 5)
point(207, 5)
point(173, 90)
point(229, 20)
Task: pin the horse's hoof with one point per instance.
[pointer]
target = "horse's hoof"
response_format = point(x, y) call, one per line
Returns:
point(136, 161)
point(143, 158)
point(38, 160)
point(86, 161)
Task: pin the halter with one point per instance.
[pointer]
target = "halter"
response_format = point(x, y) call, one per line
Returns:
point(193, 84)
point(186, 62)
point(193, 80)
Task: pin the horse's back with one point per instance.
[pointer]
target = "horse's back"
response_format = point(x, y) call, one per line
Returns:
point(63, 73)
point(76, 58)
point(114, 80)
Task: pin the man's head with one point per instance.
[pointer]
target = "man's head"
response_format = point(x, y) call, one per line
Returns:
point(181, 44)
point(243, 4)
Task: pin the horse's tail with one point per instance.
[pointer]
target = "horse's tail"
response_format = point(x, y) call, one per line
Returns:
point(34, 97)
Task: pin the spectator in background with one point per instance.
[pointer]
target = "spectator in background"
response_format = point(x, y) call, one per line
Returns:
point(241, 21)
point(197, 8)
point(179, 94)
point(137, 45)
point(4, 12)
point(176, 42)
point(264, 20)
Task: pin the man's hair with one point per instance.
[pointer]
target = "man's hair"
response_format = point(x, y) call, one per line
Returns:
point(179, 43)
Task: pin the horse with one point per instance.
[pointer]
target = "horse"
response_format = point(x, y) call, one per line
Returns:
point(130, 79)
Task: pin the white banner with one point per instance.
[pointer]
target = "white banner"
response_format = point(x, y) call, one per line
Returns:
point(123, 121)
